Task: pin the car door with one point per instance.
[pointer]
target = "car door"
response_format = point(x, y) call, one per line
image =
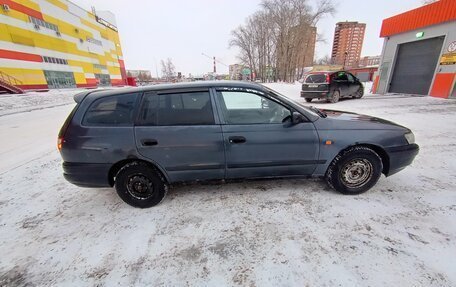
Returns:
point(341, 81)
point(178, 131)
point(353, 84)
point(257, 141)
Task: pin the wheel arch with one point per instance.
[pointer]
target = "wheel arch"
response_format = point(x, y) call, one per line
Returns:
point(118, 165)
point(377, 149)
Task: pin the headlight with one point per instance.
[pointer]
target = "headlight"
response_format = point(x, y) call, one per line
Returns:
point(410, 137)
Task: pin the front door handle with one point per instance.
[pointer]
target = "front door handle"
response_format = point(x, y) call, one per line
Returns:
point(237, 139)
point(149, 142)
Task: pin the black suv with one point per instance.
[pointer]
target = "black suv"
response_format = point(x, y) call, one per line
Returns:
point(140, 140)
point(331, 86)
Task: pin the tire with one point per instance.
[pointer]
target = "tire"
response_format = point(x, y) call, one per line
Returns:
point(335, 97)
point(359, 94)
point(355, 170)
point(140, 185)
point(308, 100)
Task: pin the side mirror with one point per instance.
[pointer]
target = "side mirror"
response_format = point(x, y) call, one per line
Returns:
point(298, 118)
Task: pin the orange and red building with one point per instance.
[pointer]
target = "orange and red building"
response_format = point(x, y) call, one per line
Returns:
point(348, 43)
point(419, 52)
point(56, 44)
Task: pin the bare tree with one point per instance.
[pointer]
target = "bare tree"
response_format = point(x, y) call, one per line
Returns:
point(274, 41)
point(325, 60)
point(168, 69)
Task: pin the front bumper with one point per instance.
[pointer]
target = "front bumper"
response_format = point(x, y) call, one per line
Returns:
point(87, 174)
point(400, 157)
point(314, 94)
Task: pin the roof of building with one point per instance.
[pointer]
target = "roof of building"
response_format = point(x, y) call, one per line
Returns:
point(435, 13)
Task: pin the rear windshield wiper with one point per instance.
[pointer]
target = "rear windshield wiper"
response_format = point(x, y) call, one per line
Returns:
point(318, 111)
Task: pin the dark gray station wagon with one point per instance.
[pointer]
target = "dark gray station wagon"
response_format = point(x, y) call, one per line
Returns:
point(140, 140)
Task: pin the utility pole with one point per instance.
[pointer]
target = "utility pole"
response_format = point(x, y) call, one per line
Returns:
point(215, 61)
point(156, 68)
point(345, 60)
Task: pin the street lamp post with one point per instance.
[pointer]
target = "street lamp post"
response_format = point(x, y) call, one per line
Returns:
point(345, 59)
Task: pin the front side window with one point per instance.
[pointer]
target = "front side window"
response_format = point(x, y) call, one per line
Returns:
point(250, 108)
point(341, 76)
point(350, 78)
point(111, 111)
point(178, 109)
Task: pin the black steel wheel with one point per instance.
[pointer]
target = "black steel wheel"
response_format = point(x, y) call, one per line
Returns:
point(140, 185)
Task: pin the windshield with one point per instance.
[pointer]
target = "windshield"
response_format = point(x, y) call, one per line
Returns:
point(316, 78)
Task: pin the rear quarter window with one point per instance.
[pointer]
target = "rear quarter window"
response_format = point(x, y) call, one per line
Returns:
point(113, 111)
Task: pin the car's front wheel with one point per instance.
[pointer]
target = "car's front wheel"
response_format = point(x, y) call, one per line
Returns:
point(355, 170)
point(359, 94)
point(140, 185)
point(308, 100)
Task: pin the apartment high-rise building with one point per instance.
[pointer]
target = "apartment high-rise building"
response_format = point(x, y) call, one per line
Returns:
point(305, 37)
point(306, 58)
point(348, 43)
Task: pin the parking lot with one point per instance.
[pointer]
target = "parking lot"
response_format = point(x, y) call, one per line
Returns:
point(253, 233)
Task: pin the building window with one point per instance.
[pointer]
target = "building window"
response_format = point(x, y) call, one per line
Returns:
point(58, 79)
point(44, 24)
point(94, 41)
point(103, 80)
point(99, 66)
point(53, 60)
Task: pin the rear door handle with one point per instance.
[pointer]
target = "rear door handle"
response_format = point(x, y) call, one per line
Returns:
point(149, 142)
point(237, 139)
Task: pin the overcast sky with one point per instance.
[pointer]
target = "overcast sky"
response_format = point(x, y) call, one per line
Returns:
point(152, 30)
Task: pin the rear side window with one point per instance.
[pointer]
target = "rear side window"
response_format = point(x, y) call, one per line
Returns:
point(316, 78)
point(111, 111)
point(177, 109)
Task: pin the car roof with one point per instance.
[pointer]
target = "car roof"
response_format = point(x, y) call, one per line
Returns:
point(174, 86)
point(324, 72)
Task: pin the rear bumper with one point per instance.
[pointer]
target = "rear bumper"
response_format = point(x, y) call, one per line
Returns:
point(314, 94)
point(400, 157)
point(87, 174)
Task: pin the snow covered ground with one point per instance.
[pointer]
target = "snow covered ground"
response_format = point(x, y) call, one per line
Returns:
point(255, 233)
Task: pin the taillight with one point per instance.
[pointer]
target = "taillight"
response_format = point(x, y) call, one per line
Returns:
point(60, 141)
point(63, 129)
point(327, 78)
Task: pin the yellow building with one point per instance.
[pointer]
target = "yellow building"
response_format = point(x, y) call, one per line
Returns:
point(56, 44)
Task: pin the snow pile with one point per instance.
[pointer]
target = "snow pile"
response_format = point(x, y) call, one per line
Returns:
point(30, 101)
point(12, 104)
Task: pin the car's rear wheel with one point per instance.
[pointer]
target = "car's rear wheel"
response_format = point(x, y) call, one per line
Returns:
point(140, 185)
point(359, 93)
point(308, 100)
point(355, 170)
point(334, 97)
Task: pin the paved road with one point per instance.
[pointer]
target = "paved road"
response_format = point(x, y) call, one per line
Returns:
point(29, 135)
